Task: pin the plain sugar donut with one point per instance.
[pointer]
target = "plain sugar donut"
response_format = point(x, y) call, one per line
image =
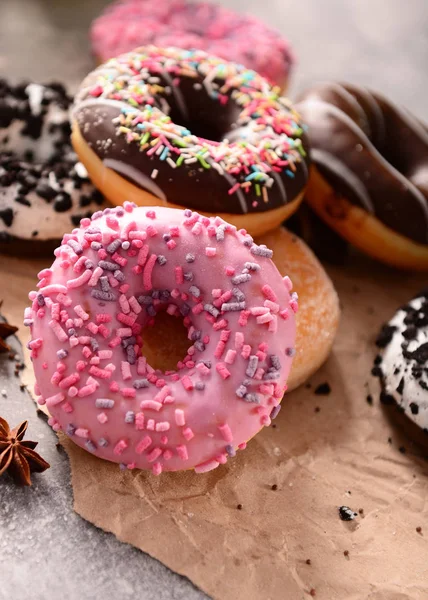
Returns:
point(109, 280)
point(319, 312)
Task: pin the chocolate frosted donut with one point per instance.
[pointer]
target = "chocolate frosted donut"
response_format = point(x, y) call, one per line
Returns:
point(374, 156)
point(192, 130)
point(43, 191)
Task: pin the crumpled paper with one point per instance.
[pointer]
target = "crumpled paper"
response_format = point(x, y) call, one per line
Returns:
point(249, 529)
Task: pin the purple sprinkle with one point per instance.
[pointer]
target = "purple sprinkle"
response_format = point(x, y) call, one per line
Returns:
point(187, 212)
point(164, 295)
point(155, 294)
point(195, 335)
point(184, 309)
point(252, 366)
point(104, 403)
point(290, 352)
point(122, 467)
point(120, 212)
point(108, 266)
point(200, 346)
point(261, 251)
point(271, 376)
point(71, 331)
point(200, 385)
point(209, 308)
point(243, 278)
point(230, 450)
point(105, 286)
point(130, 416)
point(128, 341)
point(40, 300)
point(275, 411)
point(70, 429)
point(190, 258)
point(188, 276)
point(251, 266)
point(118, 275)
point(161, 260)
point(106, 296)
point(248, 241)
point(151, 310)
point(131, 356)
point(125, 245)
point(96, 246)
point(115, 244)
point(93, 230)
point(195, 291)
point(145, 300)
point(103, 443)
point(141, 383)
point(62, 353)
point(75, 246)
point(89, 445)
point(166, 237)
point(219, 234)
point(89, 264)
point(232, 306)
point(241, 391)
point(276, 364)
point(239, 295)
point(254, 398)
point(97, 215)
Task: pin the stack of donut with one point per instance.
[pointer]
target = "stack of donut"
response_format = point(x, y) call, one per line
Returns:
point(201, 160)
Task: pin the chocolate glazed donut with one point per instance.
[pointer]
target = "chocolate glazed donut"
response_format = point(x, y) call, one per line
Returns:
point(371, 177)
point(191, 130)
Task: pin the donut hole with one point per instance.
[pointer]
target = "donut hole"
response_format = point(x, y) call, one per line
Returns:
point(201, 113)
point(166, 342)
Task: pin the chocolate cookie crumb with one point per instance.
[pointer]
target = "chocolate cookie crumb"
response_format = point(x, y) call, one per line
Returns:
point(313, 592)
point(346, 513)
point(346, 553)
point(323, 389)
point(274, 487)
point(361, 511)
point(369, 399)
point(239, 507)
point(317, 409)
point(419, 529)
point(402, 449)
point(308, 561)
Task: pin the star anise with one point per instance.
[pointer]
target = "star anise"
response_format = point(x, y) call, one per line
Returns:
point(5, 331)
point(17, 457)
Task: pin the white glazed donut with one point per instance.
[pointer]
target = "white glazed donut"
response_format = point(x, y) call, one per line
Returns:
point(109, 280)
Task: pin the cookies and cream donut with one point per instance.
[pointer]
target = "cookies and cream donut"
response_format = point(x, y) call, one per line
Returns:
point(403, 362)
point(370, 175)
point(88, 318)
point(44, 191)
point(182, 128)
point(127, 24)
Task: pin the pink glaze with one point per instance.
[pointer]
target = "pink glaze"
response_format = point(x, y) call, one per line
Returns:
point(126, 24)
point(88, 352)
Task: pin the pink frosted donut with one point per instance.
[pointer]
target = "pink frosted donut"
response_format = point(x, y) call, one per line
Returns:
point(126, 24)
point(109, 280)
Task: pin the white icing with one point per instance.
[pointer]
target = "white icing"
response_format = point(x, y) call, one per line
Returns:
point(35, 96)
point(135, 175)
point(393, 359)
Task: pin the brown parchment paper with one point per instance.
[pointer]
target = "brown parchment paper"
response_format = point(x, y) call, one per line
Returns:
point(324, 452)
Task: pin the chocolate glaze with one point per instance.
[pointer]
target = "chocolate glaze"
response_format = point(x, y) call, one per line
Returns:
point(191, 103)
point(372, 152)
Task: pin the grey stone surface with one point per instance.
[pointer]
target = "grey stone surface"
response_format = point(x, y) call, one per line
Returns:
point(46, 550)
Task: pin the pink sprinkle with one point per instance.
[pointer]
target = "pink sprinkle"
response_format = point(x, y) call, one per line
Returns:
point(179, 417)
point(288, 283)
point(163, 426)
point(112, 222)
point(243, 317)
point(230, 357)
point(72, 391)
point(152, 231)
point(82, 433)
point(120, 446)
point(226, 432)
point(133, 303)
point(123, 332)
point(151, 214)
point(141, 365)
point(69, 381)
point(219, 349)
point(272, 306)
point(230, 271)
point(266, 318)
point(150, 405)
point(114, 386)
point(87, 390)
point(246, 351)
point(154, 454)
point(239, 340)
point(188, 434)
point(157, 469)
point(273, 325)
point(257, 311)
point(80, 264)
point(197, 228)
point(209, 251)
point(142, 255)
point(198, 308)
point(128, 392)
point(179, 279)
point(171, 244)
point(222, 370)
point(58, 331)
point(209, 465)
point(53, 400)
point(139, 421)
point(53, 288)
point(294, 306)
point(284, 314)
point(268, 292)
point(160, 396)
point(265, 420)
point(120, 260)
point(167, 455)
point(174, 231)
point(80, 312)
point(103, 318)
point(143, 444)
point(147, 275)
point(95, 276)
point(169, 400)
point(182, 452)
point(102, 418)
point(151, 425)
point(126, 370)
point(67, 407)
point(187, 383)
point(81, 365)
point(79, 281)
